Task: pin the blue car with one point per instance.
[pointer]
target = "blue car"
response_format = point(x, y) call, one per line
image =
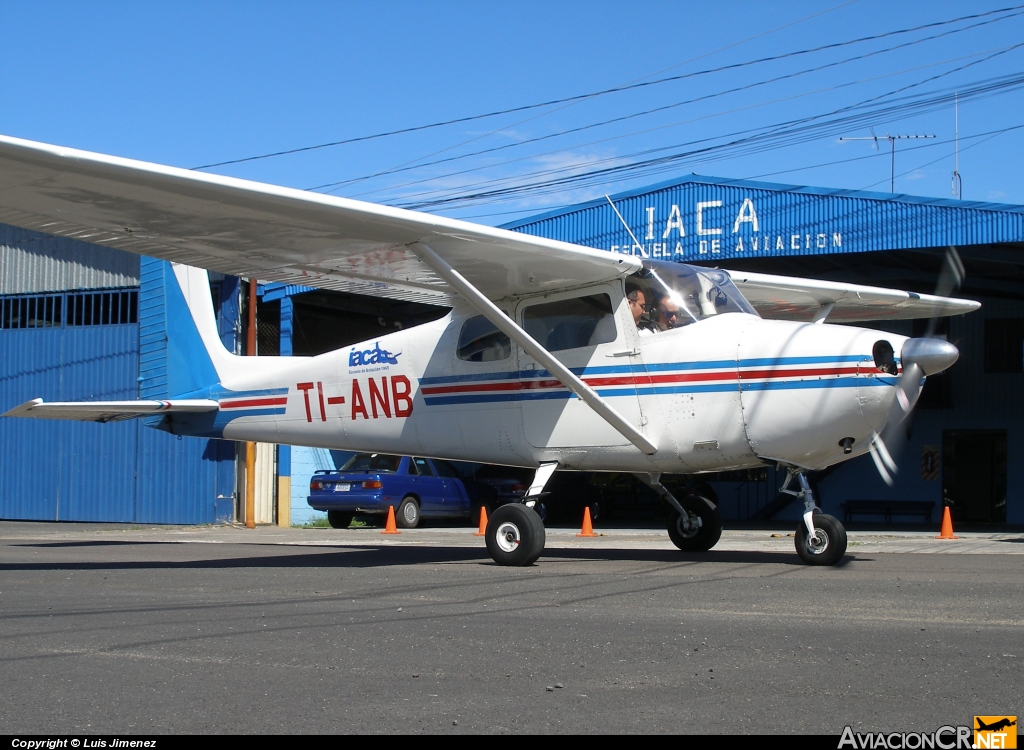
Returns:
point(417, 488)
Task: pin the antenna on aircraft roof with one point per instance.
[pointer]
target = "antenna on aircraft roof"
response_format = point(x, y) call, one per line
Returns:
point(636, 243)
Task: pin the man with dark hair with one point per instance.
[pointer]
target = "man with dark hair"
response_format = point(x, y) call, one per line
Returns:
point(637, 303)
point(636, 299)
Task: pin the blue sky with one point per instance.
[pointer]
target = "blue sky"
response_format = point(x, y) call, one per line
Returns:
point(190, 84)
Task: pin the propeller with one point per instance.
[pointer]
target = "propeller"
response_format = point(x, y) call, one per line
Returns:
point(920, 357)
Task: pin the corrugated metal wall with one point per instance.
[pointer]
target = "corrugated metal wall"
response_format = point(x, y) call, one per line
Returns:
point(83, 471)
point(706, 218)
point(32, 262)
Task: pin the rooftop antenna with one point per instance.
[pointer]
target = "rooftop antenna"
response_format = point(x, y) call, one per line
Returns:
point(636, 243)
point(957, 184)
point(892, 150)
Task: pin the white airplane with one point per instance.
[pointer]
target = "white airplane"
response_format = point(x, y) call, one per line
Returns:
point(547, 359)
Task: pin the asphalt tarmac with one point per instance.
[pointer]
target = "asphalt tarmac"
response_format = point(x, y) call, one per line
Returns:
point(168, 630)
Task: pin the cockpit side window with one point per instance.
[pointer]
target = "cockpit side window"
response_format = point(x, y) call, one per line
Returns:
point(481, 341)
point(679, 294)
point(571, 323)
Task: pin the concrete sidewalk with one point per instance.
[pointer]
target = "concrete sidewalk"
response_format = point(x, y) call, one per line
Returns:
point(741, 540)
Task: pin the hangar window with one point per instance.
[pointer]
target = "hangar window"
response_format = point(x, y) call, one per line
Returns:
point(31, 312)
point(481, 341)
point(571, 323)
point(103, 308)
point(1004, 345)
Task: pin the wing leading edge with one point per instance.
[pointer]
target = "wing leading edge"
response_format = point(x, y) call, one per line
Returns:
point(273, 233)
point(787, 298)
point(252, 229)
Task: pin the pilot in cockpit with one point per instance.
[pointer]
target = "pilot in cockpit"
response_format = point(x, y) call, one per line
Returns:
point(637, 307)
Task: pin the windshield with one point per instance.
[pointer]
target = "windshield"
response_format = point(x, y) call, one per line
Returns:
point(372, 462)
point(676, 294)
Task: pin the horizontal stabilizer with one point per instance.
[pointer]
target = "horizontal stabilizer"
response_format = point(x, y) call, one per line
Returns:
point(107, 411)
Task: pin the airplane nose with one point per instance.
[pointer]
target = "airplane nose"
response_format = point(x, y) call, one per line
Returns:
point(931, 355)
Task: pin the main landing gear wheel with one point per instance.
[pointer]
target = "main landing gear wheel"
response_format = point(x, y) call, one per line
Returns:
point(339, 520)
point(704, 528)
point(515, 535)
point(828, 545)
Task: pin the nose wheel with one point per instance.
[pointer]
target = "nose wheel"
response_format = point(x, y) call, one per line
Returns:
point(826, 546)
point(820, 539)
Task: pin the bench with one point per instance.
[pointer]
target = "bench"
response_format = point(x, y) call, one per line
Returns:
point(887, 509)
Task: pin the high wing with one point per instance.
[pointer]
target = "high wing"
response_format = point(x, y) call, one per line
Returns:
point(786, 298)
point(252, 229)
point(106, 411)
point(255, 230)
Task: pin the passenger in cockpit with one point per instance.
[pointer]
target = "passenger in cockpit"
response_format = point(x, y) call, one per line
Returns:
point(668, 313)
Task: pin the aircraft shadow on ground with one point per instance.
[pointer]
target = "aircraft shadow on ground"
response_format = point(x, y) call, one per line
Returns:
point(382, 556)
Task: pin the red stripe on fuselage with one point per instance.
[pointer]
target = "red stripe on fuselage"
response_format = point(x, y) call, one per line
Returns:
point(248, 403)
point(640, 380)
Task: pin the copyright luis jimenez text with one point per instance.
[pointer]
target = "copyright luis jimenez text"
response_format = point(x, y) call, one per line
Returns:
point(89, 742)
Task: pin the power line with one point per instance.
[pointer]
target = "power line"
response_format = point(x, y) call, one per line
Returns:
point(412, 163)
point(986, 136)
point(618, 89)
point(787, 133)
point(633, 115)
point(759, 134)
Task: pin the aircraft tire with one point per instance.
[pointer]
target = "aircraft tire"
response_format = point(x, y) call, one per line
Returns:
point(831, 550)
point(515, 535)
point(407, 515)
point(339, 520)
point(706, 536)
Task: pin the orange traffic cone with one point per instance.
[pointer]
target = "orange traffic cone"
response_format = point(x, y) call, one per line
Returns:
point(483, 522)
point(588, 528)
point(390, 527)
point(947, 525)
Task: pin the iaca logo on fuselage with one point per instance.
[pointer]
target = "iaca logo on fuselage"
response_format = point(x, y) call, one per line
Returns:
point(375, 356)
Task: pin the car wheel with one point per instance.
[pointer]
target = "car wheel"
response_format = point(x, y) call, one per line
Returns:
point(408, 514)
point(339, 520)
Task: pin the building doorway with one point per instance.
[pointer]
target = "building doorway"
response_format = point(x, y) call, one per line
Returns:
point(974, 475)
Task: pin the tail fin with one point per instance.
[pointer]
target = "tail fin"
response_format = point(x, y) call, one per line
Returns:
point(180, 348)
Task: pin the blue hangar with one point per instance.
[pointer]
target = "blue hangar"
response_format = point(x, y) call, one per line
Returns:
point(79, 321)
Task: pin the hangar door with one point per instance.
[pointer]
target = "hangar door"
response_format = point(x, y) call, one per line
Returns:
point(85, 346)
point(974, 475)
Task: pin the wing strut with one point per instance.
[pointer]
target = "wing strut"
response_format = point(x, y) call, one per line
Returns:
point(530, 345)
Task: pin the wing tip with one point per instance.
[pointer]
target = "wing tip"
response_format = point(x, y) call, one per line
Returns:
point(22, 410)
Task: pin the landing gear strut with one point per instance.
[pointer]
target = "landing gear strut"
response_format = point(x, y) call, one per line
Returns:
point(694, 523)
point(515, 533)
point(820, 539)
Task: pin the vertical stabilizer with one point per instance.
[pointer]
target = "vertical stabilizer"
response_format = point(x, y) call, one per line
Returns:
point(180, 349)
point(194, 284)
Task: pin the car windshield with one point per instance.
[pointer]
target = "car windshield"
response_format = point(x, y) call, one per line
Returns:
point(676, 294)
point(372, 462)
